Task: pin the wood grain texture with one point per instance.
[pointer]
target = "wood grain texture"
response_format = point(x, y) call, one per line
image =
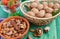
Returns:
point(54, 32)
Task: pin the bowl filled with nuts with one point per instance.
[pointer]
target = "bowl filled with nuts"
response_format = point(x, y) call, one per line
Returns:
point(14, 27)
point(40, 12)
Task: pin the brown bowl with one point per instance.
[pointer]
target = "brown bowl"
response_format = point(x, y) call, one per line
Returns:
point(20, 36)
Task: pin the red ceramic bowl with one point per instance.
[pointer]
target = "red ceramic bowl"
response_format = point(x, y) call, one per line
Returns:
point(20, 36)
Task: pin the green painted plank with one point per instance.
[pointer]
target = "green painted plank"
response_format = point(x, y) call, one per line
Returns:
point(54, 32)
point(58, 27)
point(3, 14)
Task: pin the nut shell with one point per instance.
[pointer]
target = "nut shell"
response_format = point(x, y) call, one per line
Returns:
point(38, 32)
point(51, 4)
point(47, 15)
point(56, 6)
point(31, 13)
point(33, 5)
point(35, 10)
point(41, 13)
point(40, 6)
point(49, 10)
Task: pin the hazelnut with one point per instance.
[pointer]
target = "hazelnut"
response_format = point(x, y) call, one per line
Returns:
point(35, 10)
point(40, 6)
point(32, 30)
point(34, 5)
point(38, 32)
point(56, 6)
point(41, 13)
point(22, 26)
point(9, 25)
point(45, 7)
point(49, 10)
point(9, 33)
point(46, 29)
point(18, 22)
point(31, 13)
point(45, 3)
point(50, 4)
point(47, 15)
point(13, 22)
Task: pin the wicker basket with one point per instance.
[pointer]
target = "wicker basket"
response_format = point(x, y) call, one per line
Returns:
point(35, 20)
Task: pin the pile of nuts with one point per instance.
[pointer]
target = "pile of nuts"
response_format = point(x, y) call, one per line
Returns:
point(39, 31)
point(13, 28)
point(42, 10)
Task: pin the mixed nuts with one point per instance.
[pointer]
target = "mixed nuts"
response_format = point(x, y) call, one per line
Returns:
point(39, 31)
point(13, 27)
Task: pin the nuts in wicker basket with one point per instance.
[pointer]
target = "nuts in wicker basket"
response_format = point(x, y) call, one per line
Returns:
point(40, 10)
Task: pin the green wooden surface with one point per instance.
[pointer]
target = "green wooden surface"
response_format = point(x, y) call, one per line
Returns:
point(54, 32)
